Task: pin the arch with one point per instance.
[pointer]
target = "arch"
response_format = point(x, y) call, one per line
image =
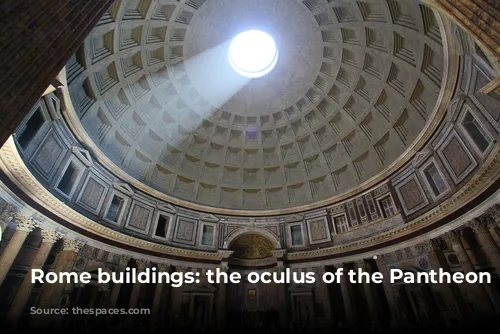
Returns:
point(264, 233)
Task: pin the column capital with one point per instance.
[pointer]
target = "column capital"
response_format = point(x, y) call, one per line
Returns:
point(24, 222)
point(319, 270)
point(141, 264)
point(431, 245)
point(72, 245)
point(494, 213)
point(124, 260)
point(224, 266)
point(163, 267)
point(478, 225)
point(339, 265)
point(360, 264)
point(452, 237)
point(51, 236)
point(181, 269)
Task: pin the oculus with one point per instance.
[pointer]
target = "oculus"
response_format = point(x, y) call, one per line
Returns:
point(253, 53)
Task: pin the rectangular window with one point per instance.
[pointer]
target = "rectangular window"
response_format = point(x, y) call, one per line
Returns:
point(162, 226)
point(341, 224)
point(476, 132)
point(387, 207)
point(435, 180)
point(115, 208)
point(31, 128)
point(70, 177)
point(296, 232)
point(207, 237)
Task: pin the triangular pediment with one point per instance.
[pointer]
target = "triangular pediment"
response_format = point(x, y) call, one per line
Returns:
point(209, 218)
point(124, 188)
point(167, 207)
point(82, 155)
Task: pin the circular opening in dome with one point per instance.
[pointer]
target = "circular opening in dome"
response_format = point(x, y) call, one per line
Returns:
point(253, 53)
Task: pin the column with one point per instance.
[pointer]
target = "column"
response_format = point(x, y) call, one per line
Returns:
point(346, 296)
point(136, 289)
point(52, 292)
point(49, 238)
point(450, 292)
point(477, 293)
point(492, 252)
point(282, 290)
point(115, 290)
point(191, 306)
point(24, 225)
point(161, 267)
point(370, 298)
point(221, 299)
point(176, 296)
point(481, 228)
point(324, 295)
point(389, 292)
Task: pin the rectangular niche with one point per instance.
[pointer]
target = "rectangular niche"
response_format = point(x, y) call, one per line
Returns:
point(476, 132)
point(435, 179)
point(115, 208)
point(296, 234)
point(386, 205)
point(207, 235)
point(67, 182)
point(341, 224)
point(31, 126)
point(162, 224)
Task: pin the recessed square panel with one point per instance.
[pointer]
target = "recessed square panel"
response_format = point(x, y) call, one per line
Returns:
point(318, 230)
point(185, 230)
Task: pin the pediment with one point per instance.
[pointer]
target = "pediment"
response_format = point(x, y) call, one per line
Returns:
point(124, 188)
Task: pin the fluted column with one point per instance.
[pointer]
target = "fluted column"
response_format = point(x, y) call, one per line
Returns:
point(49, 238)
point(477, 292)
point(370, 298)
point(389, 292)
point(346, 296)
point(24, 225)
point(52, 292)
point(176, 296)
point(162, 267)
point(481, 228)
point(221, 299)
point(324, 295)
point(115, 290)
point(280, 254)
point(136, 289)
point(450, 292)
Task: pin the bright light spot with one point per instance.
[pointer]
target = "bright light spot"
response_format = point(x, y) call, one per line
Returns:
point(253, 53)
